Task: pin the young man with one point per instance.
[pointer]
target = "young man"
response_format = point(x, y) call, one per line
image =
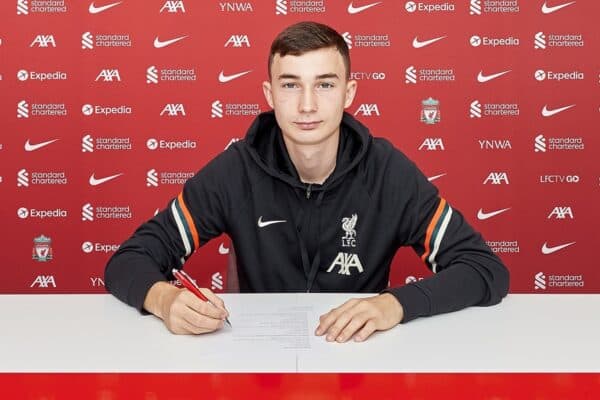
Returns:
point(312, 203)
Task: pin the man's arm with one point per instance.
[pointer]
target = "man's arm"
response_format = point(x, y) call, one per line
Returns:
point(137, 272)
point(466, 272)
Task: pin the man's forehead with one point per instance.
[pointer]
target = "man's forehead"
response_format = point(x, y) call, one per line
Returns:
point(317, 62)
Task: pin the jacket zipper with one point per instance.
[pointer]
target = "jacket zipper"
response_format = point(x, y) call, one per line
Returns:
point(308, 190)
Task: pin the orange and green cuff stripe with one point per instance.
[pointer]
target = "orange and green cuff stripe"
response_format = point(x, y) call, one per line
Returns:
point(435, 233)
point(185, 225)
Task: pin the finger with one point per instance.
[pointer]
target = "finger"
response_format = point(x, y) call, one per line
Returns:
point(201, 321)
point(356, 323)
point(215, 300)
point(327, 319)
point(340, 323)
point(365, 332)
point(203, 307)
point(188, 329)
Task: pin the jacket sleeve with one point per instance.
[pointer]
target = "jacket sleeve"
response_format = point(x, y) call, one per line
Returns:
point(466, 272)
point(196, 215)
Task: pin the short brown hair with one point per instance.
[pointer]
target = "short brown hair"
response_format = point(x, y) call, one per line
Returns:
point(306, 36)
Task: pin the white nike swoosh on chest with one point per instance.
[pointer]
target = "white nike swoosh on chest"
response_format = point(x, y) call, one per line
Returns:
point(262, 224)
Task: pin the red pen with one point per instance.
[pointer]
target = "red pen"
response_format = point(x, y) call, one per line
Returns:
point(190, 285)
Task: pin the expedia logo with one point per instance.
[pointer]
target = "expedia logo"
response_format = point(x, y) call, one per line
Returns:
point(412, 7)
point(24, 75)
point(89, 109)
point(156, 144)
point(541, 75)
point(487, 41)
point(25, 213)
point(89, 247)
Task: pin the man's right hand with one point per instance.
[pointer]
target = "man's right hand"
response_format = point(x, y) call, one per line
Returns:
point(182, 312)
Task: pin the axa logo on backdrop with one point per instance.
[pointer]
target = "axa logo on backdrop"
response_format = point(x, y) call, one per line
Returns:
point(368, 110)
point(497, 178)
point(109, 75)
point(237, 41)
point(173, 6)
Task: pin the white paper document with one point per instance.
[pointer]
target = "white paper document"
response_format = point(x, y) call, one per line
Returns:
point(285, 327)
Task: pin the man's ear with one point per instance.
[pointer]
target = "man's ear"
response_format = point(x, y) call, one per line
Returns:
point(266, 86)
point(351, 87)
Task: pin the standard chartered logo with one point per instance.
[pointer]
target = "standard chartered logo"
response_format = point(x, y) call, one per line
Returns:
point(216, 109)
point(539, 41)
point(22, 7)
point(410, 75)
point(87, 41)
point(475, 109)
point(216, 281)
point(87, 212)
point(281, 7)
point(22, 109)
point(152, 178)
point(348, 39)
point(87, 144)
point(22, 178)
point(540, 281)
point(152, 75)
point(540, 144)
point(475, 7)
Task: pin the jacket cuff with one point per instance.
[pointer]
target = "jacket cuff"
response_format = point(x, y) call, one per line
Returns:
point(139, 289)
point(414, 302)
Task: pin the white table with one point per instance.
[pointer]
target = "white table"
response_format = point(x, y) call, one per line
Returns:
point(97, 333)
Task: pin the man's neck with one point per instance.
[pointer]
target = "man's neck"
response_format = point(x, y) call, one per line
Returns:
point(314, 163)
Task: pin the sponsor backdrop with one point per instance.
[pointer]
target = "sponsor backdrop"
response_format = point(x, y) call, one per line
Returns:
point(107, 107)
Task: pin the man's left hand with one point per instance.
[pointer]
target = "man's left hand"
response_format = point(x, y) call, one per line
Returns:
point(359, 318)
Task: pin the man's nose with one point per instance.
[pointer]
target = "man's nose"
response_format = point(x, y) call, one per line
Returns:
point(308, 101)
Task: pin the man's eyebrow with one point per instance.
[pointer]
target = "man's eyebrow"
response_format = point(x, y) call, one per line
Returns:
point(322, 76)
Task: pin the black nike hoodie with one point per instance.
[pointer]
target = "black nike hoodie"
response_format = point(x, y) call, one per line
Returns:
point(340, 236)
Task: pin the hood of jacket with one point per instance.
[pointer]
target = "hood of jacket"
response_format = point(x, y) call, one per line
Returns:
point(266, 146)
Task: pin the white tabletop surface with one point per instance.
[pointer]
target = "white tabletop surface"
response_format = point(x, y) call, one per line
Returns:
point(97, 333)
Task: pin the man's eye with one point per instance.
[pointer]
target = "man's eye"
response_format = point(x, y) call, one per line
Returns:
point(289, 85)
point(325, 85)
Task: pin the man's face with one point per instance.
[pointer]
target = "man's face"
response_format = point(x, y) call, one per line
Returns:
point(308, 94)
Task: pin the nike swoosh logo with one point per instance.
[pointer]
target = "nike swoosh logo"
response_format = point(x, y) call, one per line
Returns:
point(548, 113)
point(95, 10)
point(483, 215)
point(226, 78)
point(554, 249)
point(433, 178)
point(33, 147)
point(549, 10)
point(223, 249)
point(262, 224)
point(160, 44)
point(485, 78)
point(356, 10)
point(96, 182)
point(417, 44)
